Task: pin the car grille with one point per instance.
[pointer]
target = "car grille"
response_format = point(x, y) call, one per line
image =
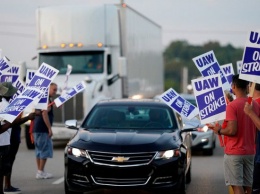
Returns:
point(121, 159)
point(120, 182)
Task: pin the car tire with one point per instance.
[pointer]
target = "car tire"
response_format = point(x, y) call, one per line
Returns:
point(28, 141)
point(188, 175)
point(67, 191)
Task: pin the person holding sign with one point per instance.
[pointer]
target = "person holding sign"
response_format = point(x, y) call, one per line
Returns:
point(249, 111)
point(239, 140)
point(42, 136)
point(7, 153)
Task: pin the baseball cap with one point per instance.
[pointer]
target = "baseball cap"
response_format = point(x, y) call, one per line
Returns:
point(11, 90)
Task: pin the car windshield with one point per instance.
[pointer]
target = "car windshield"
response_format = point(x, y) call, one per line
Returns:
point(81, 62)
point(130, 117)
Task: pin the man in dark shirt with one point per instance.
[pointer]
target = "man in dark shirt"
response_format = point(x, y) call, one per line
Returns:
point(42, 136)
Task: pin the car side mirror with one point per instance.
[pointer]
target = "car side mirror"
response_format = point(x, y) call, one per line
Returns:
point(188, 130)
point(71, 124)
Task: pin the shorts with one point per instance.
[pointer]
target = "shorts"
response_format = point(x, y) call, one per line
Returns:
point(43, 146)
point(5, 167)
point(256, 179)
point(238, 170)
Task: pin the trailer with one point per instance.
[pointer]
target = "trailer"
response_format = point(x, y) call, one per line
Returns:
point(116, 50)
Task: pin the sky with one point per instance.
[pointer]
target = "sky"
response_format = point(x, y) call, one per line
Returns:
point(196, 21)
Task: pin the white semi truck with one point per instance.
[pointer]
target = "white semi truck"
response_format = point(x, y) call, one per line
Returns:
point(115, 49)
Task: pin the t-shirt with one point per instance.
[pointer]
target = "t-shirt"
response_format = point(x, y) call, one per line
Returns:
point(4, 137)
point(39, 124)
point(257, 155)
point(243, 143)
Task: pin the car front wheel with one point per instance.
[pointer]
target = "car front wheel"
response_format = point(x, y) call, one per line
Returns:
point(67, 191)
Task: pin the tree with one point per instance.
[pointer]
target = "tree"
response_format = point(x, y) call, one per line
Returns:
point(179, 54)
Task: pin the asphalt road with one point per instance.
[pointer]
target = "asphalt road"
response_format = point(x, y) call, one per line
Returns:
point(207, 173)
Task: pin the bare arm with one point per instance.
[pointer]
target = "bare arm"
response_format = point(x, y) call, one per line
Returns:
point(5, 127)
point(250, 112)
point(230, 130)
point(20, 120)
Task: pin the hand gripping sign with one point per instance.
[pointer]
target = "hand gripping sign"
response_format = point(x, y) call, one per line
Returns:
point(69, 94)
point(20, 103)
point(179, 104)
point(42, 80)
point(208, 65)
point(210, 98)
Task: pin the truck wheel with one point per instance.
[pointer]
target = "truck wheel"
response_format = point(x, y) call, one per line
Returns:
point(29, 144)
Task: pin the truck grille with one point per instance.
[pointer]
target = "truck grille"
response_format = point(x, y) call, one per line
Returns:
point(120, 182)
point(72, 109)
point(121, 159)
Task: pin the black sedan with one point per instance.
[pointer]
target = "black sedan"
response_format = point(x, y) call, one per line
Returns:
point(136, 144)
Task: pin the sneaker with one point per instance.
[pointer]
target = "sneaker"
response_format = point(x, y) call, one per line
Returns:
point(47, 175)
point(12, 190)
point(43, 175)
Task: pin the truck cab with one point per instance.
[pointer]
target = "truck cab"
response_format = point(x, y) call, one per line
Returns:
point(116, 50)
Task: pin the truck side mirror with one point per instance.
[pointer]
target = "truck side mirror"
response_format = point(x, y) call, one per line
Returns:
point(122, 67)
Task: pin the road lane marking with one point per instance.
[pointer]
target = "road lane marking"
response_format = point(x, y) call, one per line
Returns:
point(59, 181)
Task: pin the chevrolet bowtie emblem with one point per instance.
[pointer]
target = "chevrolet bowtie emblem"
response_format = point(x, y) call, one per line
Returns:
point(120, 159)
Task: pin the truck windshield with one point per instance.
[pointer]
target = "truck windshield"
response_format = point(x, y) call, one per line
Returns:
point(81, 62)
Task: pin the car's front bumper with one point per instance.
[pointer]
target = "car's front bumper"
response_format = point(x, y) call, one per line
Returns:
point(83, 175)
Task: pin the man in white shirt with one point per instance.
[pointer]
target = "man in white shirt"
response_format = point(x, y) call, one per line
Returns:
point(5, 132)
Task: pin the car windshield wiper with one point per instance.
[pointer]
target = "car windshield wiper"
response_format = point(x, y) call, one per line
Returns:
point(93, 127)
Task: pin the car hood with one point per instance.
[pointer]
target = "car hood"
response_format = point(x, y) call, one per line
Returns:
point(125, 141)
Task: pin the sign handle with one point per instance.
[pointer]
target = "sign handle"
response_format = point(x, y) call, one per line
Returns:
point(251, 92)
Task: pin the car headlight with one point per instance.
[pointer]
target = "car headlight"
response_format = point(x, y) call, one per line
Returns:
point(167, 154)
point(78, 152)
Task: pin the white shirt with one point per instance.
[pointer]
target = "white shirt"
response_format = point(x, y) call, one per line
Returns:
point(4, 137)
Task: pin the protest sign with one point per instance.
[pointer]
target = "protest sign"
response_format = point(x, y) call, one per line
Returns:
point(228, 72)
point(179, 104)
point(239, 65)
point(11, 74)
point(29, 75)
point(208, 65)
point(65, 87)
point(20, 85)
point(20, 103)
point(69, 94)
point(210, 98)
point(4, 65)
point(250, 69)
point(42, 80)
